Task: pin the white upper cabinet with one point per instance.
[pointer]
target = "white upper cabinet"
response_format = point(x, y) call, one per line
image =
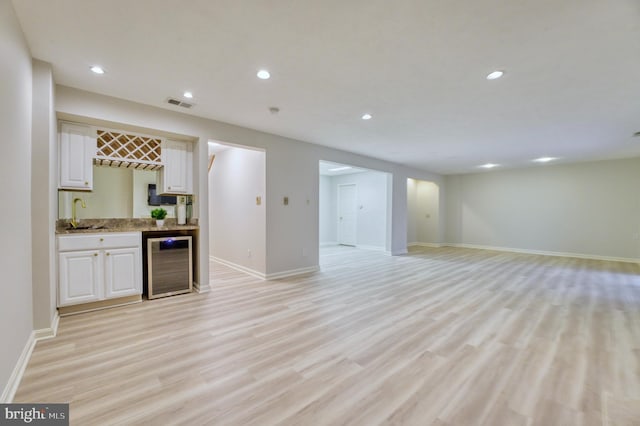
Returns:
point(176, 175)
point(76, 149)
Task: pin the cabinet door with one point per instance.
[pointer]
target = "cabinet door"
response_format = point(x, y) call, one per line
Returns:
point(123, 272)
point(77, 148)
point(176, 175)
point(80, 277)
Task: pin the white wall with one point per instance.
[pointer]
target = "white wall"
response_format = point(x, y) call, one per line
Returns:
point(43, 196)
point(237, 225)
point(327, 225)
point(371, 195)
point(292, 170)
point(584, 208)
point(16, 312)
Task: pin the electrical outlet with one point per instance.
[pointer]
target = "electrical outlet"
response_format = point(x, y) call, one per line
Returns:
point(304, 252)
point(249, 253)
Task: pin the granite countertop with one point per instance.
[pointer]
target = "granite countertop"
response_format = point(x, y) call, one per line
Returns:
point(95, 226)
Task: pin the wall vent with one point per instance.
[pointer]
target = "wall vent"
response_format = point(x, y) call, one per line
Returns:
point(176, 102)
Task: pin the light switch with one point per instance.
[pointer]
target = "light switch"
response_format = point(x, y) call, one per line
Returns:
point(258, 201)
point(286, 201)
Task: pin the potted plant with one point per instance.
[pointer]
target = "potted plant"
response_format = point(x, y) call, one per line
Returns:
point(159, 214)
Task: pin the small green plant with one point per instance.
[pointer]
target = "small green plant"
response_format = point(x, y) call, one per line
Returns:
point(159, 213)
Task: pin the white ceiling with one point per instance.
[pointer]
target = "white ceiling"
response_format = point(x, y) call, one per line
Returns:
point(571, 88)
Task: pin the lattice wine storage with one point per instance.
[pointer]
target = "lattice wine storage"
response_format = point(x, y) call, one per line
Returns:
point(117, 149)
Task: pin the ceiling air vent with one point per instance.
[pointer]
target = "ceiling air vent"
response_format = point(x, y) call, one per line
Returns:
point(179, 103)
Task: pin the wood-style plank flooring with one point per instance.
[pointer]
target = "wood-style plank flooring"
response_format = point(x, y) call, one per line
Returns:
point(442, 336)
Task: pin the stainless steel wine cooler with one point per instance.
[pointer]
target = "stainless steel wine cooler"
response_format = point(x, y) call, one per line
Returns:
point(169, 263)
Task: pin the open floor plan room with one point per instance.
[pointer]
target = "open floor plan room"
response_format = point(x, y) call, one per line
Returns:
point(442, 336)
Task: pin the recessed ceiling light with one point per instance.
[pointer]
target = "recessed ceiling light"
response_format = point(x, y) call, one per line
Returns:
point(495, 74)
point(339, 169)
point(544, 159)
point(263, 74)
point(188, 95)
point(97, 69)
point(489, 166)
point(367, 116)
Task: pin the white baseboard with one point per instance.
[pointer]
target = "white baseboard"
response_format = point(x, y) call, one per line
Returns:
point(18, 370)
point(293, 272)
point(201, 289)
point(329, 244)
point(416, 244)
point(545, 253)
point(50, 332)
point(249, 271)
point(399, 252)
point(260, 275)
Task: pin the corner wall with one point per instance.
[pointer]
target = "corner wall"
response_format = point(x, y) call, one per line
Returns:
point(16, 312)
point(236, 223)
point(44, 196)
point(590, 209)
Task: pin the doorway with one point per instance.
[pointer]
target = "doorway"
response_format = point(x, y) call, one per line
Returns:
point(347, 209)
point(423, 218)
point(354, 207)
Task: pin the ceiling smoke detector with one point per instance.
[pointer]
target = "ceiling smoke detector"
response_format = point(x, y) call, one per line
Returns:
point(177, 102)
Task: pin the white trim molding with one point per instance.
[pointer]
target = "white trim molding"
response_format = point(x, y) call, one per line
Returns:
point(416, 244)
point(249, 271)
point(201, 289)
point(262, 276)
point(329, 244)
point(21, 365)
point(18, 370)
point(399, 252)
point(50, 332)
point(546, 253)
point(293, 272)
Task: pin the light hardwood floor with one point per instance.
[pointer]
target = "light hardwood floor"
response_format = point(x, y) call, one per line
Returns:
point(437, 337)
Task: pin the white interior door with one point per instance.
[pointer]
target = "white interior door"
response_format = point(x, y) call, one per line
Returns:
point(347, 211)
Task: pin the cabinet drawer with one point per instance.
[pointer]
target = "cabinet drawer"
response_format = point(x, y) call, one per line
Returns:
point(99, 241)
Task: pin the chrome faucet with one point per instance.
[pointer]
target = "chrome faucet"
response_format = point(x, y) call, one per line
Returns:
point(74, 220)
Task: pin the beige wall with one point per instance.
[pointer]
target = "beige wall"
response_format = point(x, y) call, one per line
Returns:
point(583, 208)
point(16, 312)
point(112, 196)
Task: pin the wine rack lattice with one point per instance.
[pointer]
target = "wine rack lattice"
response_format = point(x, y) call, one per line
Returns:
point(117, 149)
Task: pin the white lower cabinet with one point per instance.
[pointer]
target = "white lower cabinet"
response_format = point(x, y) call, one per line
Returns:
point(79, 277)
point(94, 267)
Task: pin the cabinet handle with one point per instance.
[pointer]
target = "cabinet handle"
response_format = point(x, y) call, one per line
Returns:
point(86, 183)
point(101, 239)
point(169, 187)
point(95, 254)
point(108, 254)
